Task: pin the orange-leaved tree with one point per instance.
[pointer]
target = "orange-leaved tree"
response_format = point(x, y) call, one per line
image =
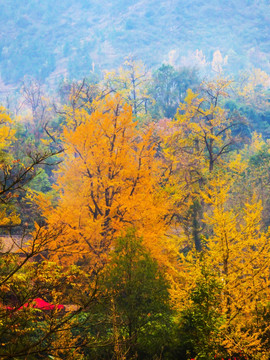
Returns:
point(110, 180)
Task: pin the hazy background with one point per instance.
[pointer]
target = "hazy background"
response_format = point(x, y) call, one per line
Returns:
point(52, 39)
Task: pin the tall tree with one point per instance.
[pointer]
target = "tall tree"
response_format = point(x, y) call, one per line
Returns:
point(131, 82)
point(24, 331)
point(201, 136)
point(204, 131)
point(168, 88)
point(136, 304)
point(110, 179)
point(200, 321)
point(238, 250)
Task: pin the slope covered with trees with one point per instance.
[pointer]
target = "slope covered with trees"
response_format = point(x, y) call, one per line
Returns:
point(138, 208)
point(48, 39)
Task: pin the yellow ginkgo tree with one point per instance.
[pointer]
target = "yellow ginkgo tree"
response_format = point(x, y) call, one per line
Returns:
point(7, 137)
point(201, 136)
point(131, 81)
point(203, 129)
point(236, 250)
point(109, 181)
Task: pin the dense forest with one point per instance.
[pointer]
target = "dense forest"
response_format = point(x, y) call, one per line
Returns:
point(134, 217)
point(135, 180)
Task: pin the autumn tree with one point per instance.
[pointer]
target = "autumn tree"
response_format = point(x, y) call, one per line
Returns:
point(254, 176)
point(131, 82)
point(203, 130)
point(76, 95)
point(238, 251)
point(200, 139)
point(24, 330)
point(223, 289)
point(16, 172)
point(109, 180)
point(251, 97)
point(252, 88)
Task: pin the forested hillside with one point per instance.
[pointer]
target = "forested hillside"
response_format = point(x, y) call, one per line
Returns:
point(54, 39)
point(134, 180)
point(134, 218)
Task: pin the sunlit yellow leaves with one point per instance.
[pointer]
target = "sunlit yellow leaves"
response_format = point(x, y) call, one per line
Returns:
point(131, 82)
point(7, 220)
point(239, 250)
point(253, 87)
point(109, 181)
point(255, 79)
point(202, 129)
point(237, 163)
point(218, 86)
point(7, 134)
point(236, 249)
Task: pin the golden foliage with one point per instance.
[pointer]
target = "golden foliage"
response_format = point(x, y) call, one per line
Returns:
point(108, 181)
point(131, 82)
point(237, 250)
point(7, 134)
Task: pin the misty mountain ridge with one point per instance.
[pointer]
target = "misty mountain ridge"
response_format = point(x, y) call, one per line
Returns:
point(49, 40)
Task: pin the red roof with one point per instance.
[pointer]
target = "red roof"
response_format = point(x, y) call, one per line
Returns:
point(39, 304)
point(42, 304)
